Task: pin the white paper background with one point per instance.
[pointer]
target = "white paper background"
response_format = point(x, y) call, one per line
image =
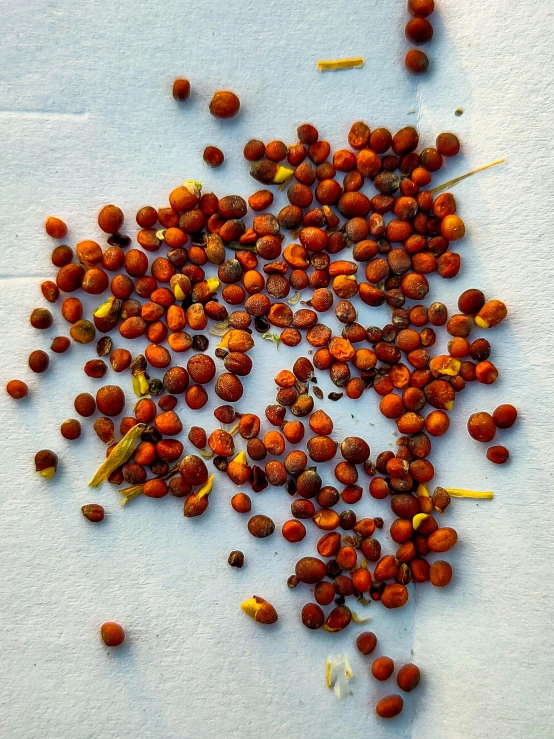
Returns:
point(86, 118)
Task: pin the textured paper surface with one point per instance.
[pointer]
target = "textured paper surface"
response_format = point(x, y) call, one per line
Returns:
point(86, 118)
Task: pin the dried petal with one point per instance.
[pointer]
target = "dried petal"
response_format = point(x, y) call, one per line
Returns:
point(119, 455)
point(338, 673)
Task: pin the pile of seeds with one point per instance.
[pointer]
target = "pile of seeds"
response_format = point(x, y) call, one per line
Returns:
point(420, 31)
point(331, 247)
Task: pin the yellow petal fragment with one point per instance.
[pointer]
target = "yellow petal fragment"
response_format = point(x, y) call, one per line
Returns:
point(461, 493)
point(103, 309)
point(481, 322)
point(422, 491)
point(140, 385)
point(119, 455)
point(48, 472)
point(329, 65)
point(179, 294)
point(418, 519)
point(240, 458)
point(207, 487)
point(251, 607)
point(224, 343)
point(282, 174)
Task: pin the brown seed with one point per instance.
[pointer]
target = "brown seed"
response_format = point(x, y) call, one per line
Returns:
point(93, 512)
point(112, 634)
point(394, 596)
point(224, 104)
point(491, 314)
point(312, 616)
point(236, 559)
point(241, 503)
point(440, 574)
point(181, 89)
point(17, 389)
point(498, 454)
point(104, 428)
point(110, 400)
point(382, 668)
point(504, 416)
point(366, 642)
point(261, 526)
point(310, 570)
point(481, 427)
point(71, 429)
point(442, 539)
point(39, 361)
point(416, 61)
point(213, 156)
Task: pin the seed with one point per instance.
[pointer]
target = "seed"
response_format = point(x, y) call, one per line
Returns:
point(41, 318)
point(236, 558)
point(39, 361)
point(104, 428)
point(324, 593)
point(155, 488)
point(83, 332)
point(181, 89)
point(312, 616)
point(224, 104)
point(17, 389)
point(178, 487)
point(321, 448)
point(504, 416)
point(382, 668)
point(110, 400)
point(471, 301)
point(71, 429)
point(96, 368)
point(46, 463)
point(55, 227)
point(260, 610)
point(486, 373)
point(110, 219)
point(221, 443)
point(498, 454)
point(302, 508)
point(93, 512)
point(310, 570)
point(491, 314)
point(408, 677)
point(389, 706)
point(338, 619)
point(442, 539)
point(481, 427)
point(261, 526)
point(394, 596)
point(241, 503)
point(293, 531)
point(440, 574)
point(112, 634)
point(213, 156)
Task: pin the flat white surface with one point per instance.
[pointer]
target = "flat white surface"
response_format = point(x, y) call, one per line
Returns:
point(86, 118)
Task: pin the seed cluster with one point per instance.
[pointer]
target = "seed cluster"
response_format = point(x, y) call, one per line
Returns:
point(419, 31)
point(333, 245)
